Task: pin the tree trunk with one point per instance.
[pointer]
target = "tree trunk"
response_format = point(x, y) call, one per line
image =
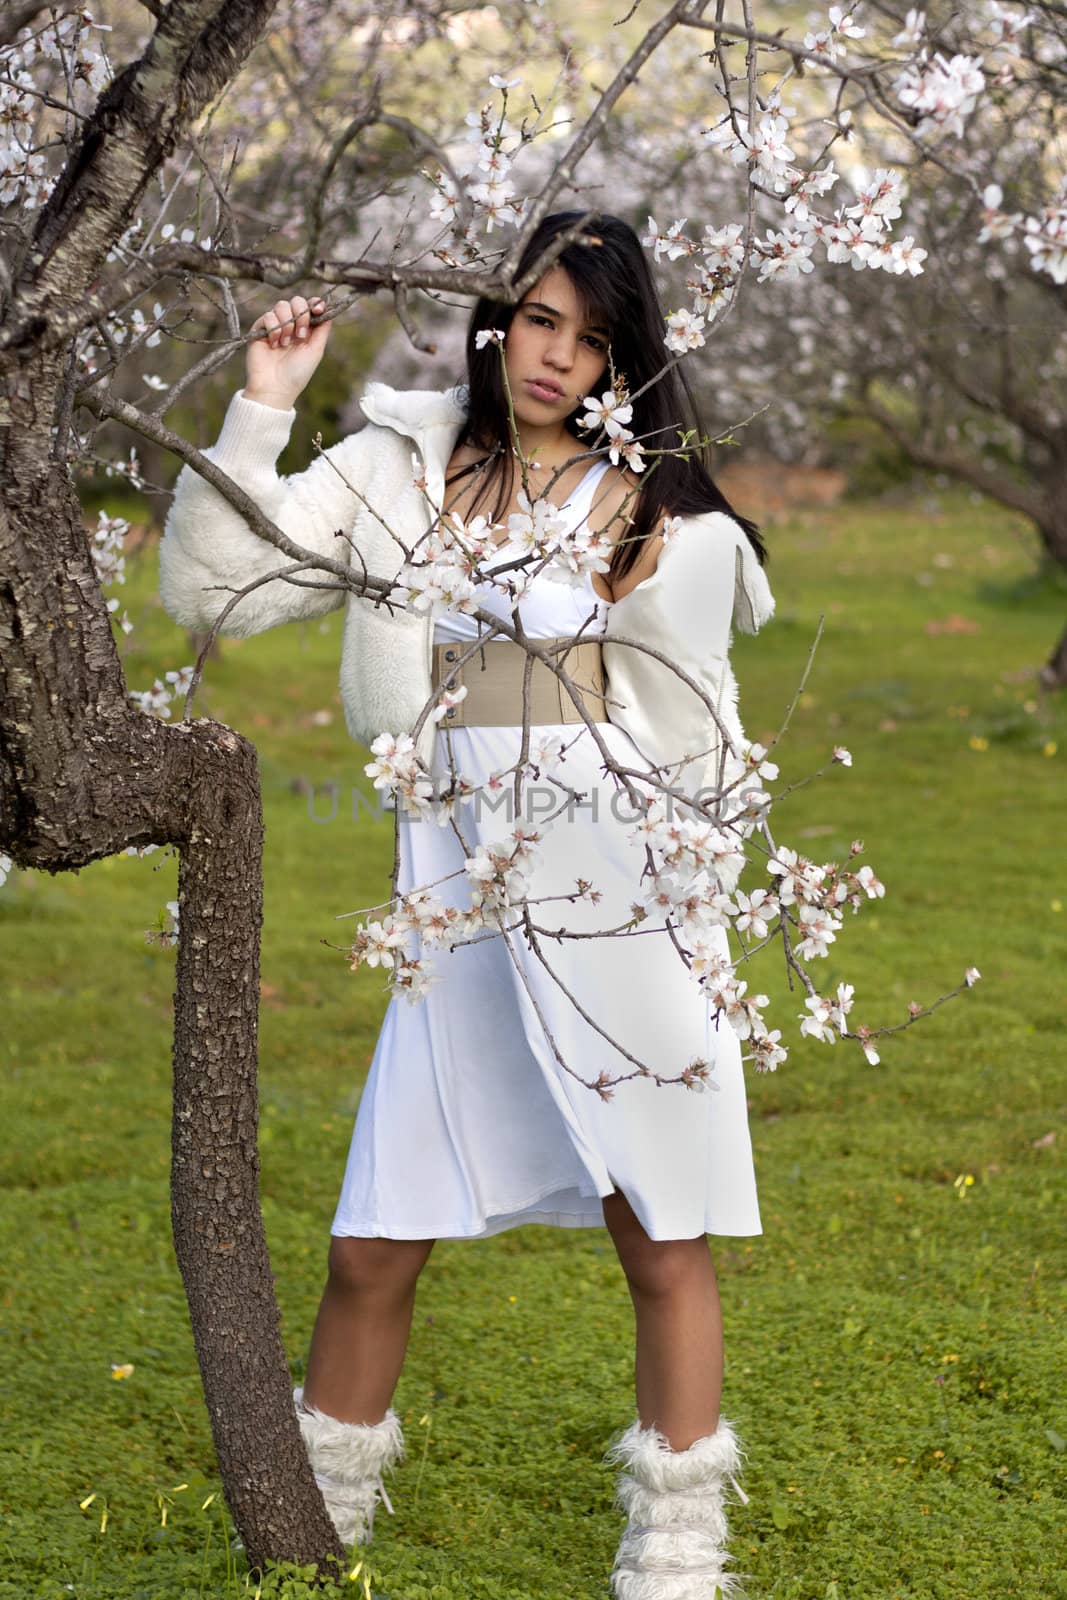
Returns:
point(1043, 501)
point(218, 1227)
point(1053, 674)
point(1053, 531)
point(83, 774)
point(1052, 523)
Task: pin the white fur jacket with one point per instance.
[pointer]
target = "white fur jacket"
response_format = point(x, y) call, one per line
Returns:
point(707, 577)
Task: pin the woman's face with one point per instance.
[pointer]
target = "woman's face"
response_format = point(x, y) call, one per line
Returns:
point(554, 354)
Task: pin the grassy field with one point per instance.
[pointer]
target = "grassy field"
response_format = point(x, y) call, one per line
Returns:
point(895, 1339)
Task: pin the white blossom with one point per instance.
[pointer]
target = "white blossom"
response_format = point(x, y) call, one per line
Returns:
point(783, 255)
point(671, 244)
point(684, 332)
point(911, 34)
point(943, 91)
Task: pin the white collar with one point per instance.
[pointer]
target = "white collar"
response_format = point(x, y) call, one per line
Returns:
point(413, 412)
point(431, 418)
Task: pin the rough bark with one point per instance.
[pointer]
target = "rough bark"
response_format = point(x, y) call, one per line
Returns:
point(83, 775)
point(218, 1229)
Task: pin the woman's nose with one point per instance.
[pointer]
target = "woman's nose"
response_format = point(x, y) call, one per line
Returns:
point(560, 352)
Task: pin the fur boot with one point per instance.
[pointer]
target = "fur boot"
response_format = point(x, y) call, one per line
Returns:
point(674, 1545)
point(348, 1460)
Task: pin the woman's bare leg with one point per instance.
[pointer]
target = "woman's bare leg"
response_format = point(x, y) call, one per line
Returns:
point(679, 1362)
point(361, 1332)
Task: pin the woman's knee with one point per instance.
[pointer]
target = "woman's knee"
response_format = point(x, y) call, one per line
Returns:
point(385, 1268)
point(659, 1267)
point(666, 1267)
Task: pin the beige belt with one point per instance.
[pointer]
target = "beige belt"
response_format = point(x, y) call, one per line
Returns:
point(493, 677)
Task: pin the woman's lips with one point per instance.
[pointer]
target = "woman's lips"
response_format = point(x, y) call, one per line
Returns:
point(550, 392)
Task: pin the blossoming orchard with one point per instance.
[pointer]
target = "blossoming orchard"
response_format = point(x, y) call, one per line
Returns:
point(160, 174)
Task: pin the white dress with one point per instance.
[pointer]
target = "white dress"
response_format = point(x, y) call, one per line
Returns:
point(468, 1124)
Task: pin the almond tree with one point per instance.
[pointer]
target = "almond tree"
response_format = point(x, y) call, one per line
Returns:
point(172, 178)
point(958, 350)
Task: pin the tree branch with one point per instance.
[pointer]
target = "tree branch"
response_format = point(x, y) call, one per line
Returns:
point(195, 51)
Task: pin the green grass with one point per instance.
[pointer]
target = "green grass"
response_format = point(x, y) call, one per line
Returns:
point(895, 1344)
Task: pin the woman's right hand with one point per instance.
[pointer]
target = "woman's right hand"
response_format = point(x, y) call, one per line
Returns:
point(281, 365)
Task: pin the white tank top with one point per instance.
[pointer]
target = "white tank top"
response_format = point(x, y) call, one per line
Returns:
point(549, 608)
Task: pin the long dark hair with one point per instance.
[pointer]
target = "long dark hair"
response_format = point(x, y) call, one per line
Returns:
point(611, 277)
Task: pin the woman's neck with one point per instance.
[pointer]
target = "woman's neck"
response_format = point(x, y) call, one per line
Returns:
point(549, 446)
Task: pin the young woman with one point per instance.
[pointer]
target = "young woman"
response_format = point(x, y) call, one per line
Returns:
point(477, 1114)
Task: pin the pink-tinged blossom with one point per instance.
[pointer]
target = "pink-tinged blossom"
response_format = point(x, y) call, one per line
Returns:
point(156, 701)
point(766, 152)
point(497, 200)
point(996, 224)
point(580, 551)
point(822, 44)
point(445, 203)
point(710, 295)
point(684, 332)
point(722, 248)
point(376, 944)
point(395, 758)
point(807, 188)
point(770, 154)
point(942, 91)
point(413, 980)
point(842, 756)
point(842, 22)
point(826, 43)
point(819, 928)
point(671, 244)
point(818, 1025)
point(1046, 240)
point(911, 34)
point(767, 1054)
point(546, 755)
point(488, 336)
point(904, 255)
point(537, 526)
point(1006, 26)
point(755, 756)
point(742, 1011)
point(783, 255)
point(841, 1005)
point(181, 680)
point(436, 585)
point(447, 702)
point(873, 887)
point(793, 871)
point(880, 197)
point(753, 912)
point(609, 412)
